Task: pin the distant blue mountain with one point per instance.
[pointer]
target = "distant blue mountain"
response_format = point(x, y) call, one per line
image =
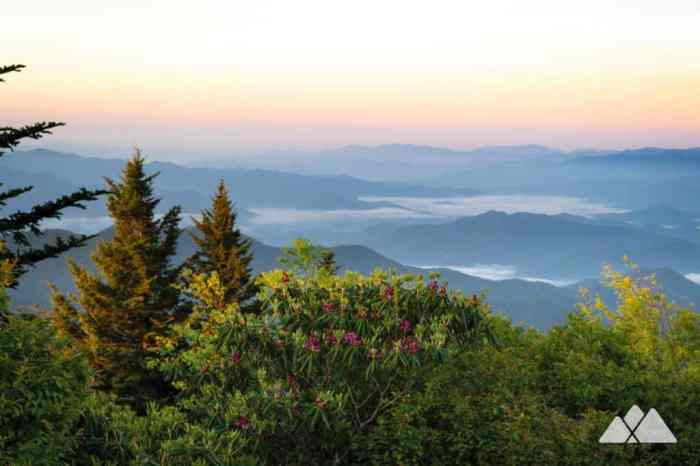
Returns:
point(558, 246)
point(532, 303)
point(388, 161)
point(668, 221)
point(191, 187)
point(632, 179)
point(536, 304)
point(647, 156)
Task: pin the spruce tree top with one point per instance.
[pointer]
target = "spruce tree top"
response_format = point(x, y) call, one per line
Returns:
point(120, 313)
point(223, 249)
point(138, 233)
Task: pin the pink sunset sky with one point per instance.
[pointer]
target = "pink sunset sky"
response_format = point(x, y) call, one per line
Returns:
point(212, 78)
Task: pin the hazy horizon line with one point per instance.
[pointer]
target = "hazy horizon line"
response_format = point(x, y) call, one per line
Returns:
point(156, 154)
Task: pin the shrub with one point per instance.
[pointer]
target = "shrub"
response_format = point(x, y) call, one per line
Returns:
point(324, 359)
point(546, 398)
point(42, 389)
point(484, 407)
point(115, 435)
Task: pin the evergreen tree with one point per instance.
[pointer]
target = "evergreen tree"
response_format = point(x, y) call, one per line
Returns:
point(15, 227)
point(120, 314)
point(327, 263)
point(223, 249)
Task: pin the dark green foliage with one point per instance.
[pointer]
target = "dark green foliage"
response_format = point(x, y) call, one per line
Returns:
point(122, 312)
point(224, 250)
point(483, 407)
point(539, 399)
point(116, 435)
point(43, 385)
point(16, 225)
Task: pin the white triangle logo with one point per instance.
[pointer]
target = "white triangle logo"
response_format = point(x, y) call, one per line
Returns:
point(617, 432)
point(636, 427)
point(653, 429)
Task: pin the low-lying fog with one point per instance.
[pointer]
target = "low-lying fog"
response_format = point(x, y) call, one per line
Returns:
point(496, 272)
point(436, 208)
point(404, 208)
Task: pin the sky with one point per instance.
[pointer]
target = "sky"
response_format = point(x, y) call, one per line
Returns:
point(209, 79)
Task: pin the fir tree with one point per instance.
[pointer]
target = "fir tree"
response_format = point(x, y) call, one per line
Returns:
point(327, 263)
point(120, 314)
point(16, 226)
point(223, 249)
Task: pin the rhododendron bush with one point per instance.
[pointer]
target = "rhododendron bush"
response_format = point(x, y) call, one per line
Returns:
point(322, 360)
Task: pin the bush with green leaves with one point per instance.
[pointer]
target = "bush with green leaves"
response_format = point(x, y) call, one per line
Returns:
point(114, 435)
point(42, 390)
point(538, 398)
point(323, 360)
point(483, 407)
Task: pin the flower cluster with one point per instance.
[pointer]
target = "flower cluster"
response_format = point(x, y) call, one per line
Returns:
point(340, 334)
point(323, 356)
point(313, 344)
point(409, 345)
point(352, 339)
point(389, 293)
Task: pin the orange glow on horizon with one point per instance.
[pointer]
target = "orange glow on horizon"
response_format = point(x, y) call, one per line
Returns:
point(278, 72)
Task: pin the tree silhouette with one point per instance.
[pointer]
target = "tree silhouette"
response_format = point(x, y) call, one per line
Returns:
point(16, 227)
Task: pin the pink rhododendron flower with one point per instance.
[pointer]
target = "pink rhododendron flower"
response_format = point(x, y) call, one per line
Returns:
point(313, 344)
point(388, 293)
point(409, 345)
point(235, 357)
point(352, 339)
point(406, 326)
point(243, 422)
point(327, 307)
